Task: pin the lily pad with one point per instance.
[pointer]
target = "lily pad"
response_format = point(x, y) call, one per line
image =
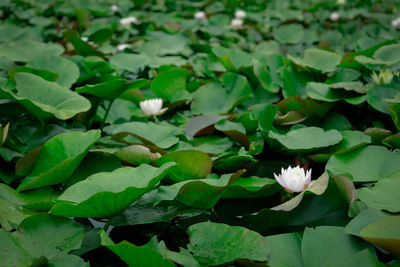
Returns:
point(118, 189)
point(384, 195)
point(202, 194)
point(49, 169)
point(150, 133)
point(46, 99)
point(40, 236)
point(190, 164)
point(366, 164)
point(208, 244)
point(306, 139)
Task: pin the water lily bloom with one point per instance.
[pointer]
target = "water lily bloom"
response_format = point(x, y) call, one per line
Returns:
point(240, 14)
point(199, 15)
point(128, 20)
point(152, 107)
point(236, 23)
point(396, 23)
point(294, 179)
point(114, 8)
point(334, 16)
point(121, 47)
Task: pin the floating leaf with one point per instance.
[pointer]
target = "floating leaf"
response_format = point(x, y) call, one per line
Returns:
point(46, 99)
point(306, 139)
point(190, 164)
point(318, 59)
point(202, 194)
point(366, 164)
point(59, 158)
point(384, 195)
point(118, 189)
point(208, 244)
point(40, 236)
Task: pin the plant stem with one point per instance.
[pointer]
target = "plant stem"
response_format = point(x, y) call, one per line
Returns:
point(106, 115)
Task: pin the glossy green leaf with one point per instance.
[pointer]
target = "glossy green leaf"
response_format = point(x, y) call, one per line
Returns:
point(202, 194)
point(169, 82)
point(208, 244)
point(289, 34)
point(200, 124)
point(318, 59)
point(285, 250)
point(46, 99)
point(68, 71)
point(118, 189)
point(190, 165)
point(380, 97)
point(39, 236)
point(59, 158)
point(132, 255)
point(384, 195)
point(148, 133)
point(331, 246)
point(27, 50)
point(366, 164)
point(108, 90)
point(306, 139)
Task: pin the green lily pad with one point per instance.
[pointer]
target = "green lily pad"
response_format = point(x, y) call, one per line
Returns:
point(49, 169)
point(306, 139)
point(366, 164)
point(200, 124)
point(67, 70)
point(190, 165)
point(289, 34)
point(285, 250)
point(208, 244)
point(46, 99)
point(134, 255)
point(322, 92)
point(148, 133)
point(378, 228)
point(40, 237)
point(202, 193)
point(27, 50)
point(330, 246)
point(169, 82)
point(318, 59)
point(351, 140)
point(384, 195)
point(380, 97)
point(108, 90)
point(118, 189)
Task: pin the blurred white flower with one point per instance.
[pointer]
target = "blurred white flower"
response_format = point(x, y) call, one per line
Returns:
point(84, 38)
point(396, 23)
point(121, 47)
point(152, 107)
point(240, 14)
point(236, 22)
point(384, 77)
point(294, 179)
point(114, 8)
point(199, 15)
point(341, 2)
point(128, 20)
point(334, 16)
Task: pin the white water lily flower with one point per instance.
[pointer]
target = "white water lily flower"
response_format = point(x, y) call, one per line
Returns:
point(240, 14)
point(334, 16)
point(121, 47)
point(152, 107)
point(114, 8)
point(199, 15)
point(396, 23)
point(236, 23)
point(84, 38)
point(128, 20)
point(294, 179)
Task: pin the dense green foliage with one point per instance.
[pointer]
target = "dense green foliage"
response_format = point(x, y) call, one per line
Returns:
point(92, 175)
